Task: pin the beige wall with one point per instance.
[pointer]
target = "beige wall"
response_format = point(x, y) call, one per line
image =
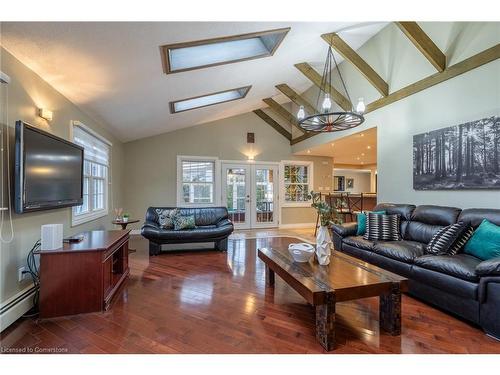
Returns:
point(470, 96)
point(361, 179)
point(150, 175)
point(25, 93)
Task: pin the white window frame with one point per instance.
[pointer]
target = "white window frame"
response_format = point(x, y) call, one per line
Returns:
point(216, 183)
point(310, 172)
point(93, 214)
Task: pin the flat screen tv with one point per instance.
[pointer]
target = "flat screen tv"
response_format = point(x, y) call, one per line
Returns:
point(48, 171)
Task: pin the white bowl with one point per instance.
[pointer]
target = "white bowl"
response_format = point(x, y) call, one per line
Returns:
point(301, 252)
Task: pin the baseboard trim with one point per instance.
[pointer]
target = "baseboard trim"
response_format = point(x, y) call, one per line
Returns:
point(297, 225)
point(16, 306)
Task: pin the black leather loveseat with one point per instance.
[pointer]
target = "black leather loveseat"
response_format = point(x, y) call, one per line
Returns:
point(461, 284)
point(212, 225)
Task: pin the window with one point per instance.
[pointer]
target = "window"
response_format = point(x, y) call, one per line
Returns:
point(95, 175)
point(199, 54)
point(297, 182)
point(209, 99)
point(196, 181)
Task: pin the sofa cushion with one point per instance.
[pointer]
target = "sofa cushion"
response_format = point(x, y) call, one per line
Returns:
point(200, 233)
point(420, 232)
point(404, 251)
point(436, 215)
point(462, 266)
point(359, 242)
point(475, 216)
point(404, 210)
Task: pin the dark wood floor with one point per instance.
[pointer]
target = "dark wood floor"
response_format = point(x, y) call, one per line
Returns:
point(215, 302)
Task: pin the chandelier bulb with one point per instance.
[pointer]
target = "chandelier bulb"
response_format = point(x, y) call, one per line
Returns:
point(301, 114)
point(327, 103)
point(360, 108)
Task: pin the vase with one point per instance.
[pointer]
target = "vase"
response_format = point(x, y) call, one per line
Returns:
point(323, 245)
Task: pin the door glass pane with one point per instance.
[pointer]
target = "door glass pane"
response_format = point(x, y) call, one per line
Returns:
point(264, 193)
point(236, 194)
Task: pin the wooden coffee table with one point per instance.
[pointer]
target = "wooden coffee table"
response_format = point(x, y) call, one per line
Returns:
point(344, 279)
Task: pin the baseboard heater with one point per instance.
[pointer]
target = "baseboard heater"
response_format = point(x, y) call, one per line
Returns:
point(16, 307)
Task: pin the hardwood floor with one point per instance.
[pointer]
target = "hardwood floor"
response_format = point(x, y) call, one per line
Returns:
point(216, 302)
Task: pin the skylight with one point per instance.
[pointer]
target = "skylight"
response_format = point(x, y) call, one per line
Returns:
point(180, 57)
point(209, 99)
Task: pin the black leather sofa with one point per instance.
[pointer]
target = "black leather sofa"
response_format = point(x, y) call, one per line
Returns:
point(212, 225)
point(461, 284)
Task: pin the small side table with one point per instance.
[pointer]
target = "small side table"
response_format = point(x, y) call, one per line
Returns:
point(124, 226)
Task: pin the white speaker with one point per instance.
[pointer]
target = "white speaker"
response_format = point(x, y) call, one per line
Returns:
point(52, 236)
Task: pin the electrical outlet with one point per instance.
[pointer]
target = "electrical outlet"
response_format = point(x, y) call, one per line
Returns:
point(20, 274)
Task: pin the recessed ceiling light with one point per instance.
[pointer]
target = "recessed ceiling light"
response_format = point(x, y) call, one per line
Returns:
point(208, 99)
point(180, 57)
point(357, 158)
point(308, 151)
point(333, 144)
point(362, 154)
point(368, 147)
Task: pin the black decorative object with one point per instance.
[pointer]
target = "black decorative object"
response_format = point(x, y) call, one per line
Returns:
point(326, 119)
point(465, 156)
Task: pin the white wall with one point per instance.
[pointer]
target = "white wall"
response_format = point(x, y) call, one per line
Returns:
point(470, 96)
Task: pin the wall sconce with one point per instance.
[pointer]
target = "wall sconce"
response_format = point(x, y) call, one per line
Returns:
point(45, 114)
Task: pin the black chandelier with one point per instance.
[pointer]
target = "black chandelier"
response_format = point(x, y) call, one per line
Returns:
point(326, 120)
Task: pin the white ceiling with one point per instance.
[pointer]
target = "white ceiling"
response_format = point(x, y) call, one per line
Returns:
point(113, 71)
point(358, 149)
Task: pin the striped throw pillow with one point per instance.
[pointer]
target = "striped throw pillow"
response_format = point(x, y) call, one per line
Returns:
point(382, 227)
point(450, 239)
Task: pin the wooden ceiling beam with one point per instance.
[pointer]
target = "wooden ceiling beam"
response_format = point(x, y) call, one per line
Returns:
point(296, 98)
point(316, 78)
point(424, 44)
point(462, 67)
point(275, 125)
point(473, 62)
point(282, 112)
point(350, 55)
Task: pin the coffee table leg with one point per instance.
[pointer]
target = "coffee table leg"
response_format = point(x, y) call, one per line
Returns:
point(269, 276)
point(390, 310)
point(325, 323)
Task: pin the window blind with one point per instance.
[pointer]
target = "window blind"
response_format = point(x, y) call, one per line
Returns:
point(94, 149)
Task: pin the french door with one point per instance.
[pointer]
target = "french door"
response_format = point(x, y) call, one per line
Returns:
point(250, 193)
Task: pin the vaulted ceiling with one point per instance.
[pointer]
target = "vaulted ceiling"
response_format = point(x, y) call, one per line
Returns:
point(113, 70)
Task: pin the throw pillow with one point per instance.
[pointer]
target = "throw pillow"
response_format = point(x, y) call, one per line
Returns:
point(449, 240)
point(182, 222)
point(361, 218)
point(382, 227)
point(165, 217)
point(459, 244)
point(485, 242)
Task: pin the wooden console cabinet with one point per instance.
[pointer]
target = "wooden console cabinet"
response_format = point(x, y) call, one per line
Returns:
point(83, 277)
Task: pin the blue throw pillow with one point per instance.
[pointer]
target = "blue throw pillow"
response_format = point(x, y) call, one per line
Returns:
point(485, 242)
point(361, 217)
